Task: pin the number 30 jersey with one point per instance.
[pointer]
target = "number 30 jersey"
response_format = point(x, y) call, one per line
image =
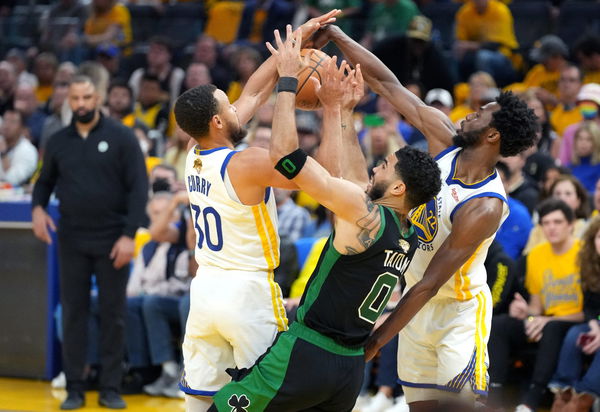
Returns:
point(229, 234)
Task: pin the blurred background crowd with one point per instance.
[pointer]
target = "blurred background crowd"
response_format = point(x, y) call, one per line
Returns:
point(456, 56)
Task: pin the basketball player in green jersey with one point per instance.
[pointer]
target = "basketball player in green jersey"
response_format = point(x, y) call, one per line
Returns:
point(318, 364)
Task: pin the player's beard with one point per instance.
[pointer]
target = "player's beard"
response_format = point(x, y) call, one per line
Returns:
point(466, 139)
point(377, 190)
point(236, 133)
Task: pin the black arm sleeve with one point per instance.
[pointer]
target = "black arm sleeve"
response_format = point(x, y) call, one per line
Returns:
point(136, 184)
point(47, 180)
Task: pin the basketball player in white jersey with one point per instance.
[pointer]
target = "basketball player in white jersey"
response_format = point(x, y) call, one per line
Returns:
point(236, 307)
point(445, 314)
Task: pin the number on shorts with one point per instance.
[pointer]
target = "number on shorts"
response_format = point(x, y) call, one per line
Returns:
point(216, 223)
point(377, 297)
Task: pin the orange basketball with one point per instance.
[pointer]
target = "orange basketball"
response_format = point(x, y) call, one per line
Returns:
point(306, 98)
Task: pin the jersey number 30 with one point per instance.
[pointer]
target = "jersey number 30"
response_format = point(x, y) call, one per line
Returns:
point(211, 219)
point(378, 297)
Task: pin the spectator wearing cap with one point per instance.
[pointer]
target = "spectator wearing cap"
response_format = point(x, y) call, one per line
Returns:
point(550, 53)
point(109, 22)
point(588, 103)
point(158, 62)
point(479, 84)
point(587, 51)
point(109, 56)
point(388, 18)
point(485, 39)
point(566, 112)
point(412, 56)
point(440, 99)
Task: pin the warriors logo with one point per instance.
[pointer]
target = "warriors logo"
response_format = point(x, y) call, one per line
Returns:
point(425, 220)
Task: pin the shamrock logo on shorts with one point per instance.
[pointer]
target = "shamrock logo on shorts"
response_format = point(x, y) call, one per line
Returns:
point(238, 404)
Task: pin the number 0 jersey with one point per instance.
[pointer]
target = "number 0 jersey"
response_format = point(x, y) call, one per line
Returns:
point(433, 222)
point(230, 235)
point(346, 293)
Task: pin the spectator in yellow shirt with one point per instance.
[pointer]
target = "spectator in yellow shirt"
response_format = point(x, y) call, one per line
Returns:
point(480, 83)
point(486, 39)
point(587, 51)
point(551, 55)
point(566, 112)
point(109, 22)
point(555, 303)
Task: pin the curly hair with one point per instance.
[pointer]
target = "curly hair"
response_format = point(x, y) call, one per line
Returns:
point(420, 173)
point(195, 108)
point(588, 258)
point(583, 211)
point(516, 123)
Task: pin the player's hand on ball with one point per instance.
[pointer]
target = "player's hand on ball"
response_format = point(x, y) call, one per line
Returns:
point(331, 91)
point(354, 89)
point(287, 54)
point(314, 24)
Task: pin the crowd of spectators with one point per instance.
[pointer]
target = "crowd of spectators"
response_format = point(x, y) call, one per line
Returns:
point(139, 67)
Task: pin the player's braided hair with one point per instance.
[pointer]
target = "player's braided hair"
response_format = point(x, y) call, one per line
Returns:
point(420, 173)
point(195, 108)
point(516, 123)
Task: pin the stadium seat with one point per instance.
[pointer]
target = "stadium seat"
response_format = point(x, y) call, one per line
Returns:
point(182, 22)
point(578, 18)
point(303, 246)
point(442, 19)
point(532, 20)
point(143, 22)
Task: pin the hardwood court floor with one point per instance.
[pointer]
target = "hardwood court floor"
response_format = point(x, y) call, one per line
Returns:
point(38, 396)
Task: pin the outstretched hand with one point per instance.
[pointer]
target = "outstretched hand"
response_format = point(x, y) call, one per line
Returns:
point(333, 84)
point(354, 90)
point(287, 54)
point(314, 24)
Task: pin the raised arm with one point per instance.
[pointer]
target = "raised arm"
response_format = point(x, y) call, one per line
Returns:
point(353, 159)
point(435, 125)
point(344, 198)
point(473, 224)
point(260, 85)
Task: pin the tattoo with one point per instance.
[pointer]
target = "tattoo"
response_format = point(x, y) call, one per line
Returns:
point(344, 126)
point(369, 225)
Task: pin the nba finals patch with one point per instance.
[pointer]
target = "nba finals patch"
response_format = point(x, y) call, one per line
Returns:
point(198, 164)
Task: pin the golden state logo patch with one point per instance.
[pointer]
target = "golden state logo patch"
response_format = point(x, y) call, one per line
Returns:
point(425, 220)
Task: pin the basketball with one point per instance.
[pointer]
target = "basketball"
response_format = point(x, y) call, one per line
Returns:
point(306, 98)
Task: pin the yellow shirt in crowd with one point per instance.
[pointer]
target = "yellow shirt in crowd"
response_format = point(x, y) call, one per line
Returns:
point(555, 279)
point(460, 112)
point(118, 15)
point(592, 77)
point(495, 25)
point(539, 76)
point(560, 118)
point(307, 269)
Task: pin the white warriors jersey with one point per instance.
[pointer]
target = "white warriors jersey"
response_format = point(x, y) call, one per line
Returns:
point(229, 234)
point(433, 222)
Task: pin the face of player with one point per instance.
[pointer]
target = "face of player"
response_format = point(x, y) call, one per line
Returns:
point(383, 175)
point(556, 227)
point(474, 125)
point(228, 115)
